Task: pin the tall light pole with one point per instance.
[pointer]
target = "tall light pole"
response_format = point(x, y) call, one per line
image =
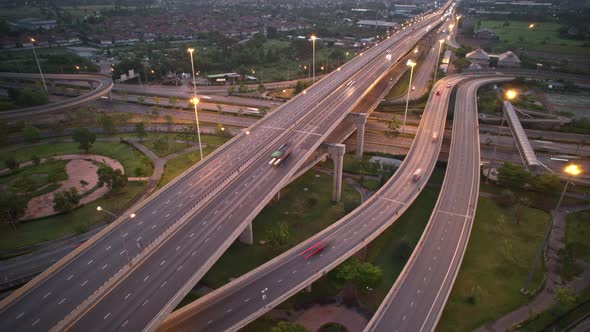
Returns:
point(313, 38)
point(38, 65)
point(195, 102)
point(440, 42)
point(411, 64)
point(571, 170)
point(99, 208)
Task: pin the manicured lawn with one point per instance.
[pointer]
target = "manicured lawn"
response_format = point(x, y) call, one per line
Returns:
point(306, 212)
point(498, 258)
point(164, 147)
point(544, 37)
point(77, 221)
point(176, 166)
point(130, 158)
point(28, 179)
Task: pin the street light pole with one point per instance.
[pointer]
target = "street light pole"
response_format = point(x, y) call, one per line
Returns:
point(195, 101)
point(313, 38)
point(411, 64)
point(38, 65)
point(99, 208)
point(440, 42)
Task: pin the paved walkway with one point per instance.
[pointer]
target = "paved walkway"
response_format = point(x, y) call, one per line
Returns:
point(316, 316)
point(545, 299)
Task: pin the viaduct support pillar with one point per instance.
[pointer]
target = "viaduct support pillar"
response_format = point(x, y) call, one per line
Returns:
point(336, 153)
point(359, 119)
point(247, 236)
point(91, 85)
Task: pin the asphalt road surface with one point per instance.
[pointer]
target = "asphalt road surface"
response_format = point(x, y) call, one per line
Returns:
point(241, 181)
point(419, 295)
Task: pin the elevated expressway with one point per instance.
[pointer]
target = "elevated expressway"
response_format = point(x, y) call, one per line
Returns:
point(133, 273)
point(103, 83)
point(417, 299)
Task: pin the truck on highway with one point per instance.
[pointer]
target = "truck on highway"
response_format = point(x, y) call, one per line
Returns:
point(280, 154)
point(417, 174)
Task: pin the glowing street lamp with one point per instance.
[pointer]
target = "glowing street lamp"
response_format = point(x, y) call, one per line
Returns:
point(313, 38)
point(38, 65)
point(532, 26)
point(412, 64)
point(571, 170)
point(195, 101)
point(511, 94)
point(101, 209)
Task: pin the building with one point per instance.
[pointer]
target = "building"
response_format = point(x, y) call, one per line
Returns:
point(479, 57)
point(508, 59)
point(34, 24)
point(485, 33)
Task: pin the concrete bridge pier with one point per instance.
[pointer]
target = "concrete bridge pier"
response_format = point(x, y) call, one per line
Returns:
point(336, 153)
point(359, 119)
point(91, 85)
point(247, 237)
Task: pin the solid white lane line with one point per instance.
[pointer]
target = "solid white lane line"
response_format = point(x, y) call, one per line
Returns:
point(163, 262)
point(146, 278)
point(162, 285)
point(46, 295)
point(84, 283)
point(90, 261)
point(155, 211)
point(122, 252)
point(455, 214)
point(209, 322)
point(194, 252)
point(139, 223)
point(125, 323)
point(392, 200)
point(154, 226)
point(70, 277)
point(180, 205)
point(37, 321)
point(104, 267)
point(167, 215)
point(106, 316)
point(294, 271)
point(214, 213)
point(125, 235)
point(178, 268)
point(412, 304)
point(228, 310)
point(127, 296)
point(245, 301)
point(107, 248)
point(206, 240)
point(204, 222)
point(191, 235)
point(177, 248)
point(144, 303)
point(21, 314)
point(62, 301)
point(167, 202)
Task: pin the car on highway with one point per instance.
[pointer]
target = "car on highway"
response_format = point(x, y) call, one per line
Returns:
point(435, 136)
point(413, 88)
point(448, 85)
point(314, 249)
point(438, 92)
point(280, 154)
point(417, 174)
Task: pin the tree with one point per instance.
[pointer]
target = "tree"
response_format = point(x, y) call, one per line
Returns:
point(546, 183)
point(140, 130)
point(141, 99)
point(394, 124)
point(261, 88)
point(114, 179)
point(278, 235)
point(169, 122)
point(107, 123)
point(85, 138)
point(219, 109)
point(66, 200)
point(36, 160)
point(363, 275)
point(11, 163)
point(157, 100)
point(288, 327)
point(31, 134)
point(12, 207)
point(299, 86)
point(263, 110)
point(565, 298)
point(172, 100)
point(506, 198)
point(513, 176)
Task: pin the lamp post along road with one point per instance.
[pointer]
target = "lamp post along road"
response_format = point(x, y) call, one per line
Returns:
point(313, 38)
point(195, 101)
point(99, 208)
point(411, 64)
point(38, 64)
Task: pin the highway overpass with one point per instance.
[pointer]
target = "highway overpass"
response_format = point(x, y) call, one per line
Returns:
point(178, 233)
point(103, 84)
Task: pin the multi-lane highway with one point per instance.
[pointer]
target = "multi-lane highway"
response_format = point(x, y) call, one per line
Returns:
point(185, 227)
point(103, 87)
point(418, 297)
point(240, 301)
